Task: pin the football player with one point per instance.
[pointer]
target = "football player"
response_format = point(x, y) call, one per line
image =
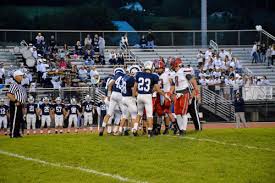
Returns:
point(146, 82)
point(58, 111)
point(44, 112)
point(4, 112)
point(87, 108)
point(128, 99)
point(30, 114)
point(114, 92)
point(163, 107)
point(183, 95)
point(73, 113)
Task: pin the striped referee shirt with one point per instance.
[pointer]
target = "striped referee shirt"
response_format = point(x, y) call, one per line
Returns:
point(19, 92)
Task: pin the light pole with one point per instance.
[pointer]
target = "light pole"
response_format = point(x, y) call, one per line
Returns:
point(203, 23)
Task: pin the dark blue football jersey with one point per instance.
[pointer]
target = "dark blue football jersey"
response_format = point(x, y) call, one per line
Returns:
point(45, 109)
point(31, 108)
point(126, 85)
point(88, 106)
point(117, 86)
point(58, 109)
point(3, 110)
point(73, 109)
point(146, 82)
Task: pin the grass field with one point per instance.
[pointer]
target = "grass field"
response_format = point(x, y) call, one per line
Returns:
point(224, 155)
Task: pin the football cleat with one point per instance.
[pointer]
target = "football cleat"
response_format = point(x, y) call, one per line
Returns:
point(165, 132)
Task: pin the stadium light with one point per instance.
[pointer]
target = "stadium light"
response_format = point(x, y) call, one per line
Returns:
point(259, 28)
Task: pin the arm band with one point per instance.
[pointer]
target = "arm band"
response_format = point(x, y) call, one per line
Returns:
point(109, 93)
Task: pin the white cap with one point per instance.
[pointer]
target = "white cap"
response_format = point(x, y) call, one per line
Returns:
point(18, 73)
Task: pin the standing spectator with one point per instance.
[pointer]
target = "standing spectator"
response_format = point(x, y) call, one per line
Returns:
point(88, 42)
point(18, 96)
point(95, 43)
point(239, 111)
point(39, 39)
point(112, 58)
point(143, 42)
point(124, 42)
point(200, 57)
point(2, 74)
point(263, 52)
point(101, 45)
point(150, 40)
point(269, 55)
point(273, 54)
point(254, 53)
point(53, 45)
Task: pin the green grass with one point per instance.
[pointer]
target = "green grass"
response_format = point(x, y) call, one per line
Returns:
point(160, 159)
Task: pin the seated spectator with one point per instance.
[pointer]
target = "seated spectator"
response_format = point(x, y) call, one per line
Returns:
point(78, 48)
point(112, 58)
point(62, 64)
point(89, 61)
point(265, 81)
point(124, 42)
point(150, 40)
point(208, 54)
point(102, 60)
point(95, 43)
point(93, 72)
point(89, 54)
point(143, 41)
point(120, 58)
point(239, 67)
point(101, 45)
point(82, 73)
point(88, 42)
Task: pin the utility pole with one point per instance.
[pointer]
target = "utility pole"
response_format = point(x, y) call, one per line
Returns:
point(204, 23)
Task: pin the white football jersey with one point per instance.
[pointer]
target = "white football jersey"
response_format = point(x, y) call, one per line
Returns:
point(180, 80)
point(164, 81)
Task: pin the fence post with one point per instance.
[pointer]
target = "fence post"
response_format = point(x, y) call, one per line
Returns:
point(55, 36)
point(239, 38)
point(172, 38)
point(216, 37)
point(30, 36)
point(80, 36)
point(5, 36)
point(194, 38)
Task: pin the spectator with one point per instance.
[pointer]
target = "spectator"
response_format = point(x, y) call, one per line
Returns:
point(88, 42)
point(34, 52)
point(95, 43)
point(82, 73)
point(200, 57)
point(120, 58)
point(239, 67)
point(254, 53)
point(263, 52)
point(78, 48)
point(112, 58)
point(89, 54)
point(124, 42)
point(101, 45)
point(273, 54)
point(208, 54)
point(143, 41)
point(211, 84)
point(239, 111)
point(39, 39)
point(150, 40)
point(2, 74)
point(269, 55)
point(53, 44)
point(217, 83)
point(265, 81)
point(62, 64)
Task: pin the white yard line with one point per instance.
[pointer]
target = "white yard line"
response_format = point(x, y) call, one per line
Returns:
point(223, 143)
point(58, 165)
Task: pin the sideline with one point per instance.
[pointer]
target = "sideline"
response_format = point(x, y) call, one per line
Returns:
point(91, 171)
point(223, 143)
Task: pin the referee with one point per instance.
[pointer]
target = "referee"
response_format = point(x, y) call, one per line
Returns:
point(17, 95)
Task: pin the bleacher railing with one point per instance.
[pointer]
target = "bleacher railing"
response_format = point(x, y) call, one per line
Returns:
point(162, 38)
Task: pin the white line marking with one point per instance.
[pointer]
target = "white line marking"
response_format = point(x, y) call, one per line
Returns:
point(118, 177)
point(224, 143)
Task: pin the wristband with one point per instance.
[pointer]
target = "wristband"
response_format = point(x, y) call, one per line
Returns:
point(109, 93)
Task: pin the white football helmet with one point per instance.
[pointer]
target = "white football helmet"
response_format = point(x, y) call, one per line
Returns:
point(31, 99)
point(58, 100)
point(134, 69)
point(149, 66)
point(87, 98)
point(73, 101)
point(46, 100)
point(119, 69)
point(2, 101)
